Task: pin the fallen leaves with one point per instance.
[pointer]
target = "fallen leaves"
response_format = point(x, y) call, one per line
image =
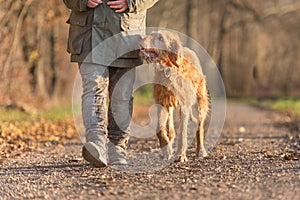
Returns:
point(289, 156)
point(17, 137)
point(222, 148)
point(268, 153)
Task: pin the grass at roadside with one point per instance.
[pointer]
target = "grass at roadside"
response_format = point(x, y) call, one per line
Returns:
point(53, 114)
point(288, 105)
point(14, 114)
point(57, 113)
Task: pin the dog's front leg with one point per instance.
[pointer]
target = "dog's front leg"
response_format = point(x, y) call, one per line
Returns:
point(171, 133)
point(182, 136)
point(162, 134)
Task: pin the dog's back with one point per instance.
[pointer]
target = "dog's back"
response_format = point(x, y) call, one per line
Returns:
point(192, 57)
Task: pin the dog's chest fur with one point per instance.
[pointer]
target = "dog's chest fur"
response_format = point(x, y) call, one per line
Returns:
point(172, 89)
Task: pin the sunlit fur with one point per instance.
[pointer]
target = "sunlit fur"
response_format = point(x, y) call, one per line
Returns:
point(180, 84)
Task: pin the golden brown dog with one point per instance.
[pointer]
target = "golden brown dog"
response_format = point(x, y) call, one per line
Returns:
point(180, 83)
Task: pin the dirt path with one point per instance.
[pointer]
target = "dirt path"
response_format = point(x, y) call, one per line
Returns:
point(257, 157)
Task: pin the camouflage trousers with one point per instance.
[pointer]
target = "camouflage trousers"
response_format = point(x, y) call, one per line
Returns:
point(104, 86)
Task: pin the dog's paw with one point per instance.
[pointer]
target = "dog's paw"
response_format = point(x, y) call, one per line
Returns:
point(167, 153)
point(202, 153)
point(182, 159)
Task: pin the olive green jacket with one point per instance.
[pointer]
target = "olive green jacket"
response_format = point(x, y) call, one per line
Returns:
point(91, 30)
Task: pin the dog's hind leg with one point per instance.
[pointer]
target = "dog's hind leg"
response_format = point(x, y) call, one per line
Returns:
point(182, 136)
point(200, 135)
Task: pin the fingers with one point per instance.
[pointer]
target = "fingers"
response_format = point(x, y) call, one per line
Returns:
point(121, 10)
point(118, 5)
point(93, 3)
point(96, 1)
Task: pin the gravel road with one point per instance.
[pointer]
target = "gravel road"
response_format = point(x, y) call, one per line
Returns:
point(256, 157)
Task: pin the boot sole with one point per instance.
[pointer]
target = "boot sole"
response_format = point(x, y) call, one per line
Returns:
point(88, 157)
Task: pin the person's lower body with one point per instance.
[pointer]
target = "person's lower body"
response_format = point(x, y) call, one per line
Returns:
point(106, 138)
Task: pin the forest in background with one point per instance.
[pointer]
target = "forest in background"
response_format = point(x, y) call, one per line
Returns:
point(35, 66)
point(255, 44)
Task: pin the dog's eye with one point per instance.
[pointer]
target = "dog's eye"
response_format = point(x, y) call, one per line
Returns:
point(160, 38)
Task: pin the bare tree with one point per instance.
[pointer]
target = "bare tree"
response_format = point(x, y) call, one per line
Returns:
point(33, 36)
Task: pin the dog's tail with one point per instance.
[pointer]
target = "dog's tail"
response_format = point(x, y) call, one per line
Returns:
point(192, 117)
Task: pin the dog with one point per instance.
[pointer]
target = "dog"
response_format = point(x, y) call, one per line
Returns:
point(179, 83)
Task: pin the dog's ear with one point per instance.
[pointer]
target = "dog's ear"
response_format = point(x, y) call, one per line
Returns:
point(176, 52)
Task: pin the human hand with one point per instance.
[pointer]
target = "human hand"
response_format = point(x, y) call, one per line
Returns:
point(93, 3)
point(119, 5)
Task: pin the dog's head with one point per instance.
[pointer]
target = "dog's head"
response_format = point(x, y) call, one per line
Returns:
point(161, 47)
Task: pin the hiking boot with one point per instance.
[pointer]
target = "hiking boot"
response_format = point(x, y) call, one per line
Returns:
point(116, 155)
point(95, 153)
